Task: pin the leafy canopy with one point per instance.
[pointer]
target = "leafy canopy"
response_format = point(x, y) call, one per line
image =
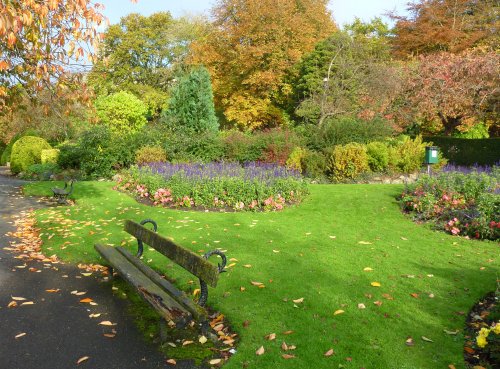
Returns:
point(249, 49)
point(142, 55)
point(39, 42)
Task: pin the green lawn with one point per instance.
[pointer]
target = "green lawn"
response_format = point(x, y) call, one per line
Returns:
point(317, 251)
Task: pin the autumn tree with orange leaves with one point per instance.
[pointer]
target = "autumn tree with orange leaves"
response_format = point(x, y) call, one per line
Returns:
point(446, 25)
point(251, 46)
point(43, 47)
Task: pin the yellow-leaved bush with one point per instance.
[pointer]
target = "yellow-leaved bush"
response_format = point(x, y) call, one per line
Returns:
point(150, 154)
point(50, 156)
point(347, 161)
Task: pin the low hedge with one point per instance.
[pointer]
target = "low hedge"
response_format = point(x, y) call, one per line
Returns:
point(463, 151)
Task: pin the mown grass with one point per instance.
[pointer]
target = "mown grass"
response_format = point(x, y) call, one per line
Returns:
point(317, 251)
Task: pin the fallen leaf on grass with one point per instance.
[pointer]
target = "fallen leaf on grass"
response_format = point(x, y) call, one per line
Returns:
point(426, 339)
point(367, 269)
point(337, 312)
point(270, 337)
point(361, 306)
point(329, 353)
point(171, 362)
point(215, 361)
point(409, 342)
point(387, 296)
point(414, 295)
point(20, 335)
point(451, 366)
point(284, 346)
point(247, 266)
point(287, 356)
point(260, 351)
point(203, 340)
point(185, 343)
point(451, 332)
point(298, 301)
point(364, 243)
point(82, 359)
point(196, 292)
point(242, 289)
point(287, 332)
point(258, 284)
point(375, 284)
point(378, 303)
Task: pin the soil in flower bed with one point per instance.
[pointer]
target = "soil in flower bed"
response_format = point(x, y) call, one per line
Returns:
point(482, 315)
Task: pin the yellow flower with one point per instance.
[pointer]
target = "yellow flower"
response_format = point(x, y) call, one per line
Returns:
point(484, 332)
point(481, 341)
point(496, 328)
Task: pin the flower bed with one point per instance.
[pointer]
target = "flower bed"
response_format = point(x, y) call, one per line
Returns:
point(466, 204)
point(215, 185)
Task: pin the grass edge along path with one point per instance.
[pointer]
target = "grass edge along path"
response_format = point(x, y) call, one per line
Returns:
point(367, 282)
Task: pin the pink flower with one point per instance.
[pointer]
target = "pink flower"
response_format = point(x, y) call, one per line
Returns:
point(455, 230)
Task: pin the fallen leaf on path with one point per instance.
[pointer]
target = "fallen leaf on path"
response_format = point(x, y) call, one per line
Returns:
point(94, 315)
point(107, 323)
point(82, 359)
point(20, 335)
point(28, 303)
point(86, 300)
point(12, 304)
point(53, 291)
point(260, 351)
point(18, 298)
point(171, 362)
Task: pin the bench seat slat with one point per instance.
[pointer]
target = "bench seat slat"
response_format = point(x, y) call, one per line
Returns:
point(187, 259)
point(166, 305)
point(197, 312)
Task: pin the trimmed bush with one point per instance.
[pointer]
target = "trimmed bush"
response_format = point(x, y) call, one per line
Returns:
point(347, 161)
point(378, 156)
point(69, 156)
point(122, 112)
point(241, 147)
point(150, 154)
point(462, 151)
point(27, 151)
point(50, 156)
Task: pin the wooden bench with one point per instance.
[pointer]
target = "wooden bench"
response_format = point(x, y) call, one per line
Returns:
point(61, 194)
point(171, 303)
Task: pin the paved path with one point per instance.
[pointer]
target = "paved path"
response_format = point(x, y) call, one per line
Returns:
point(58, 329)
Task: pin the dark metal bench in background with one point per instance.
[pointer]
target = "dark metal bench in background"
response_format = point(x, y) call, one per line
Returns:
point(171, 303)
point(61, 194)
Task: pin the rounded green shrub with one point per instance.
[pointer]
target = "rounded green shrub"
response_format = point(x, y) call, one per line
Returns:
point(407, 155)
point(27, 151)
point(347, 161)
point(122, 112)
point(378, 156)
point(150, 154)
point(314, 164)
point(50, 156)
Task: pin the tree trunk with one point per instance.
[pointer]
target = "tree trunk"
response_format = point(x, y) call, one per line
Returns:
point(449, 123)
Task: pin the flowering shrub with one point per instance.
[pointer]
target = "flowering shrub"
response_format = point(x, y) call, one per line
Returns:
point(481, 339)
point(458, 203)
point(215, 185)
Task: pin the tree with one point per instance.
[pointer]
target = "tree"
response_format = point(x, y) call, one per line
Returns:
point(42, 44)
point(457, 91)
point(142, 55)
point(191, 104)
point(346, 75)
point(251, 46)
point(446, 25)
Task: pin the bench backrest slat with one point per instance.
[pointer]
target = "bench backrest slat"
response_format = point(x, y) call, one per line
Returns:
point(187, 259)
